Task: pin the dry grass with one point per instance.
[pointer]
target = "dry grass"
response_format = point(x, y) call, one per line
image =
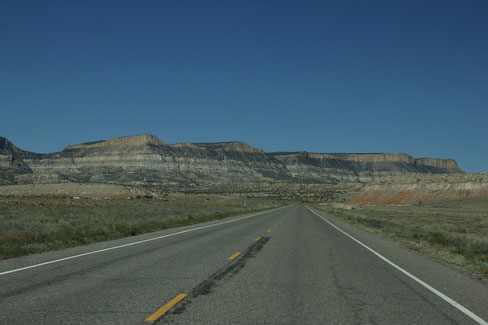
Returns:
point(34, 225)
point(455, 231)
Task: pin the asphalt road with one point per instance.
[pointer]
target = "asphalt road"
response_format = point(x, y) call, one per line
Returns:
point(286, 266)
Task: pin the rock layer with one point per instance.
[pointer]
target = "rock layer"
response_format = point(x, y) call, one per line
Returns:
point(146, 160)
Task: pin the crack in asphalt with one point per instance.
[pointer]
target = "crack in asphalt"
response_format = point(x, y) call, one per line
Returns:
point(206, 287)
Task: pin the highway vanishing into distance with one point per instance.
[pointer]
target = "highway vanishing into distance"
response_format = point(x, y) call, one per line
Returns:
point(291, 265)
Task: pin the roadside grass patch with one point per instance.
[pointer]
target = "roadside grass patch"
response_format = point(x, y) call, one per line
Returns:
point(455, 231)
point(35, 225)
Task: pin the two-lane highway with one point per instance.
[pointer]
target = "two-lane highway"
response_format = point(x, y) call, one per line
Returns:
point(286, 266)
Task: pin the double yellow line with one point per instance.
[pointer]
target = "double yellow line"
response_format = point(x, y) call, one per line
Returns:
point(163, 310)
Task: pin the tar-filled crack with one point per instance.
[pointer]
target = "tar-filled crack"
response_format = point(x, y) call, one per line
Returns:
point(206, 286)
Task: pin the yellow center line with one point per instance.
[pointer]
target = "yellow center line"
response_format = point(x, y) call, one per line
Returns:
point(258, 238)
point(161, 311)
point(234, 255)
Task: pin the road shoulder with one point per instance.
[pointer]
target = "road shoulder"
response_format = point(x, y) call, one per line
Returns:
point(461, 286)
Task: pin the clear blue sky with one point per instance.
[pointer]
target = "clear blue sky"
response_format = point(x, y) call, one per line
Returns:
point(323, 76)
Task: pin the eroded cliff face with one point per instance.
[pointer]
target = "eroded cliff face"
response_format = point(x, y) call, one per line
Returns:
point(404, 158)
point(449, 164)
point(145, 159)
point(12, 163)
point(360, 167)
point(131, 141)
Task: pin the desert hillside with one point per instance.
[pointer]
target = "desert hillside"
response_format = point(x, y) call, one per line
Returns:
point(146, 160)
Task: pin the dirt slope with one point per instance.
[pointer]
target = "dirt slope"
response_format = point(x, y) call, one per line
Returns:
point(422, 188)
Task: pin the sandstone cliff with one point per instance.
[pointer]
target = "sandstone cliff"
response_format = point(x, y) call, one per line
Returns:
point(359, 167)
point(12, 163)
point(131, 141)
point(146, 160)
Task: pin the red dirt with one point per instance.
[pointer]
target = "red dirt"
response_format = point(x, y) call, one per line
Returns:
point(398, 198)
point(410, 196)
point(422, 188)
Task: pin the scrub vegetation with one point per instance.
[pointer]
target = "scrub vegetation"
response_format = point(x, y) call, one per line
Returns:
point(39, 224)
point(455, 231)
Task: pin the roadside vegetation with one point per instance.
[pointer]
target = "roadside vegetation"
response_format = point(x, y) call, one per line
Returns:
point(455, 231)
point(35, 225)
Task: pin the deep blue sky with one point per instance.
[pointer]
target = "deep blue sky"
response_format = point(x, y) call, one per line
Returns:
point(323, 76)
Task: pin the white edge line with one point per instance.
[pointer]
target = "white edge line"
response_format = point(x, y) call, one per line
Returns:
point(133, 243)
point(463, 309)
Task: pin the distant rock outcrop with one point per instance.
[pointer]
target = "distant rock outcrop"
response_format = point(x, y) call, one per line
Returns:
point(131, 141)
point(12, 163)
point(228, 146)
point(448, 164)
point(146, 160)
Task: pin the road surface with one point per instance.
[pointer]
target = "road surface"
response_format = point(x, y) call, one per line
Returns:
point(287, 266)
